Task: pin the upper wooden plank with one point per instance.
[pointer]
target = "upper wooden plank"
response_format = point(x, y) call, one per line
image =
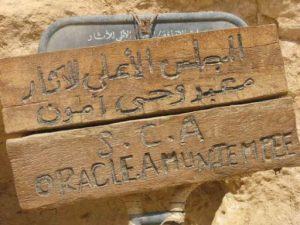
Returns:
point(138, 78)
point(56, 168)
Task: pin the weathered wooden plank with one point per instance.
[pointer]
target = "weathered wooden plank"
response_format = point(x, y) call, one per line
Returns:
point(138, 78)
point(133, 156)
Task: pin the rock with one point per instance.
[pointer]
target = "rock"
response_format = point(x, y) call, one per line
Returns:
point(291, 56)
point(264, 198)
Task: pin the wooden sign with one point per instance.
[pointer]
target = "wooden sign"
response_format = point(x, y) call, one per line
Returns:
point(135, 79)
point(62, 167)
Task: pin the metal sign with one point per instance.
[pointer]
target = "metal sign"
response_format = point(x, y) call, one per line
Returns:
point(86, 31)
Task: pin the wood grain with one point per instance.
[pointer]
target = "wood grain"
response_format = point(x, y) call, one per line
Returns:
point(142, 78)
point(56, 168)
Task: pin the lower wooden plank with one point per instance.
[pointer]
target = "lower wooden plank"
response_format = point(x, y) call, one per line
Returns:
point(51, 169)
